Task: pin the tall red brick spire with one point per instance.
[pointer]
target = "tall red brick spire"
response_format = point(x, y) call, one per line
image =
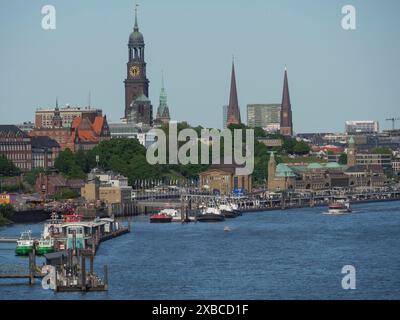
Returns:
point(233, 116)
point(286, 109)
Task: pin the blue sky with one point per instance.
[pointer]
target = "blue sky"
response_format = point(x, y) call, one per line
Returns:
point(334, 75)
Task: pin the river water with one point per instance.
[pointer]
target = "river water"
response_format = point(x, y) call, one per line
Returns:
point(293, 254)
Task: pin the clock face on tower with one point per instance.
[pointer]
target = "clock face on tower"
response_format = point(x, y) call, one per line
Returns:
point(134, 71)
point(285, 114)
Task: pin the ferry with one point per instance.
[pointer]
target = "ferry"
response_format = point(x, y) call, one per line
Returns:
point(339, 206)
point(24, 244)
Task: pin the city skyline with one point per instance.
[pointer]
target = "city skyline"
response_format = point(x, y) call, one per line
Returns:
point(69, 64)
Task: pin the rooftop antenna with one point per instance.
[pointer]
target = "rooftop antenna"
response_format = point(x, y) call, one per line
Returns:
point(90, 99)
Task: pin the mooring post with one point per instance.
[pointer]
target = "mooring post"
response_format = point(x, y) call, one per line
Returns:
point(105, 277)
point(91, 264)
point(31, 278)
point(83, 272)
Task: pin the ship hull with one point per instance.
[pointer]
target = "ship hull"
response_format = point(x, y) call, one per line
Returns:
point(210, 217)
point(23, 250)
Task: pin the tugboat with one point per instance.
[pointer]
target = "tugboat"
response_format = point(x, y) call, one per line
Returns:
point(210, 214)
point(160, 218)
point(339, 206)
point(24, 244)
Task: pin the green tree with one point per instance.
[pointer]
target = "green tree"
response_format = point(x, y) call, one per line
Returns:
point(66, 193)
point(301, 148)
point(31, 176)
point(67, 164)
point(343, 159)
point(6, 211)
point(7, 167)
point(382, 150)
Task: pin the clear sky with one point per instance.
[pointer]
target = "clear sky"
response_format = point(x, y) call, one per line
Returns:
point(334, 75)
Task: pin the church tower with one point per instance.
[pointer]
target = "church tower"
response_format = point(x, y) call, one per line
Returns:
point(271, 170)
point(56, 121)
point(163, 115)
point(233, 116)
point(286, 110)
point(351, 153)
point(136, 82)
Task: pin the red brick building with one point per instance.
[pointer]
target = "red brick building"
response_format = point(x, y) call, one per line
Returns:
point(16, 146)
point(51, 184)
point(84, 134)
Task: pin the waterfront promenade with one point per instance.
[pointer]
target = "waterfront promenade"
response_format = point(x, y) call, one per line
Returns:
point(261, 200)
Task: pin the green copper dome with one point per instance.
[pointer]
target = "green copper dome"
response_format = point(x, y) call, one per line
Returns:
point(142, 98)
point(282, 170)
point(314, 166)
point(136, 37)
point(333, 165)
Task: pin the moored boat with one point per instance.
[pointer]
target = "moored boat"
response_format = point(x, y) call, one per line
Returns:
point(210, 214)
point(228, 210)
point(160, 218)
point(173, 213)
point(24, 244)
point(44, 246)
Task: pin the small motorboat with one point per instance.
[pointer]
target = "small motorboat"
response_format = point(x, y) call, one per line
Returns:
point(160, 218)
point(339, 206)
point(173, 213)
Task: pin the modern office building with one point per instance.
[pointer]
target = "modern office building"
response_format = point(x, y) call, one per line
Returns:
point(362, 127)
point(263, 115)
point(224, 116)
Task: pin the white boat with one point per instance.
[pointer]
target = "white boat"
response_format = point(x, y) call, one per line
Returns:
point(339, 206)
point(174, 213)
point(210, 214)
point(25, 244)
point(229, 210)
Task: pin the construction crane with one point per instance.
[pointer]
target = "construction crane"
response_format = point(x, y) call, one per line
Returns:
point(393, 121)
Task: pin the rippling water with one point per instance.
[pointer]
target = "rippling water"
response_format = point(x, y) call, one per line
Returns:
point(293, 254)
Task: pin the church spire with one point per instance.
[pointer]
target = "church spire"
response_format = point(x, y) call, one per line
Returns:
point(163, 115)
point(286, 96)
point(136, 28)
point(233, 116)
point(286, 109)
